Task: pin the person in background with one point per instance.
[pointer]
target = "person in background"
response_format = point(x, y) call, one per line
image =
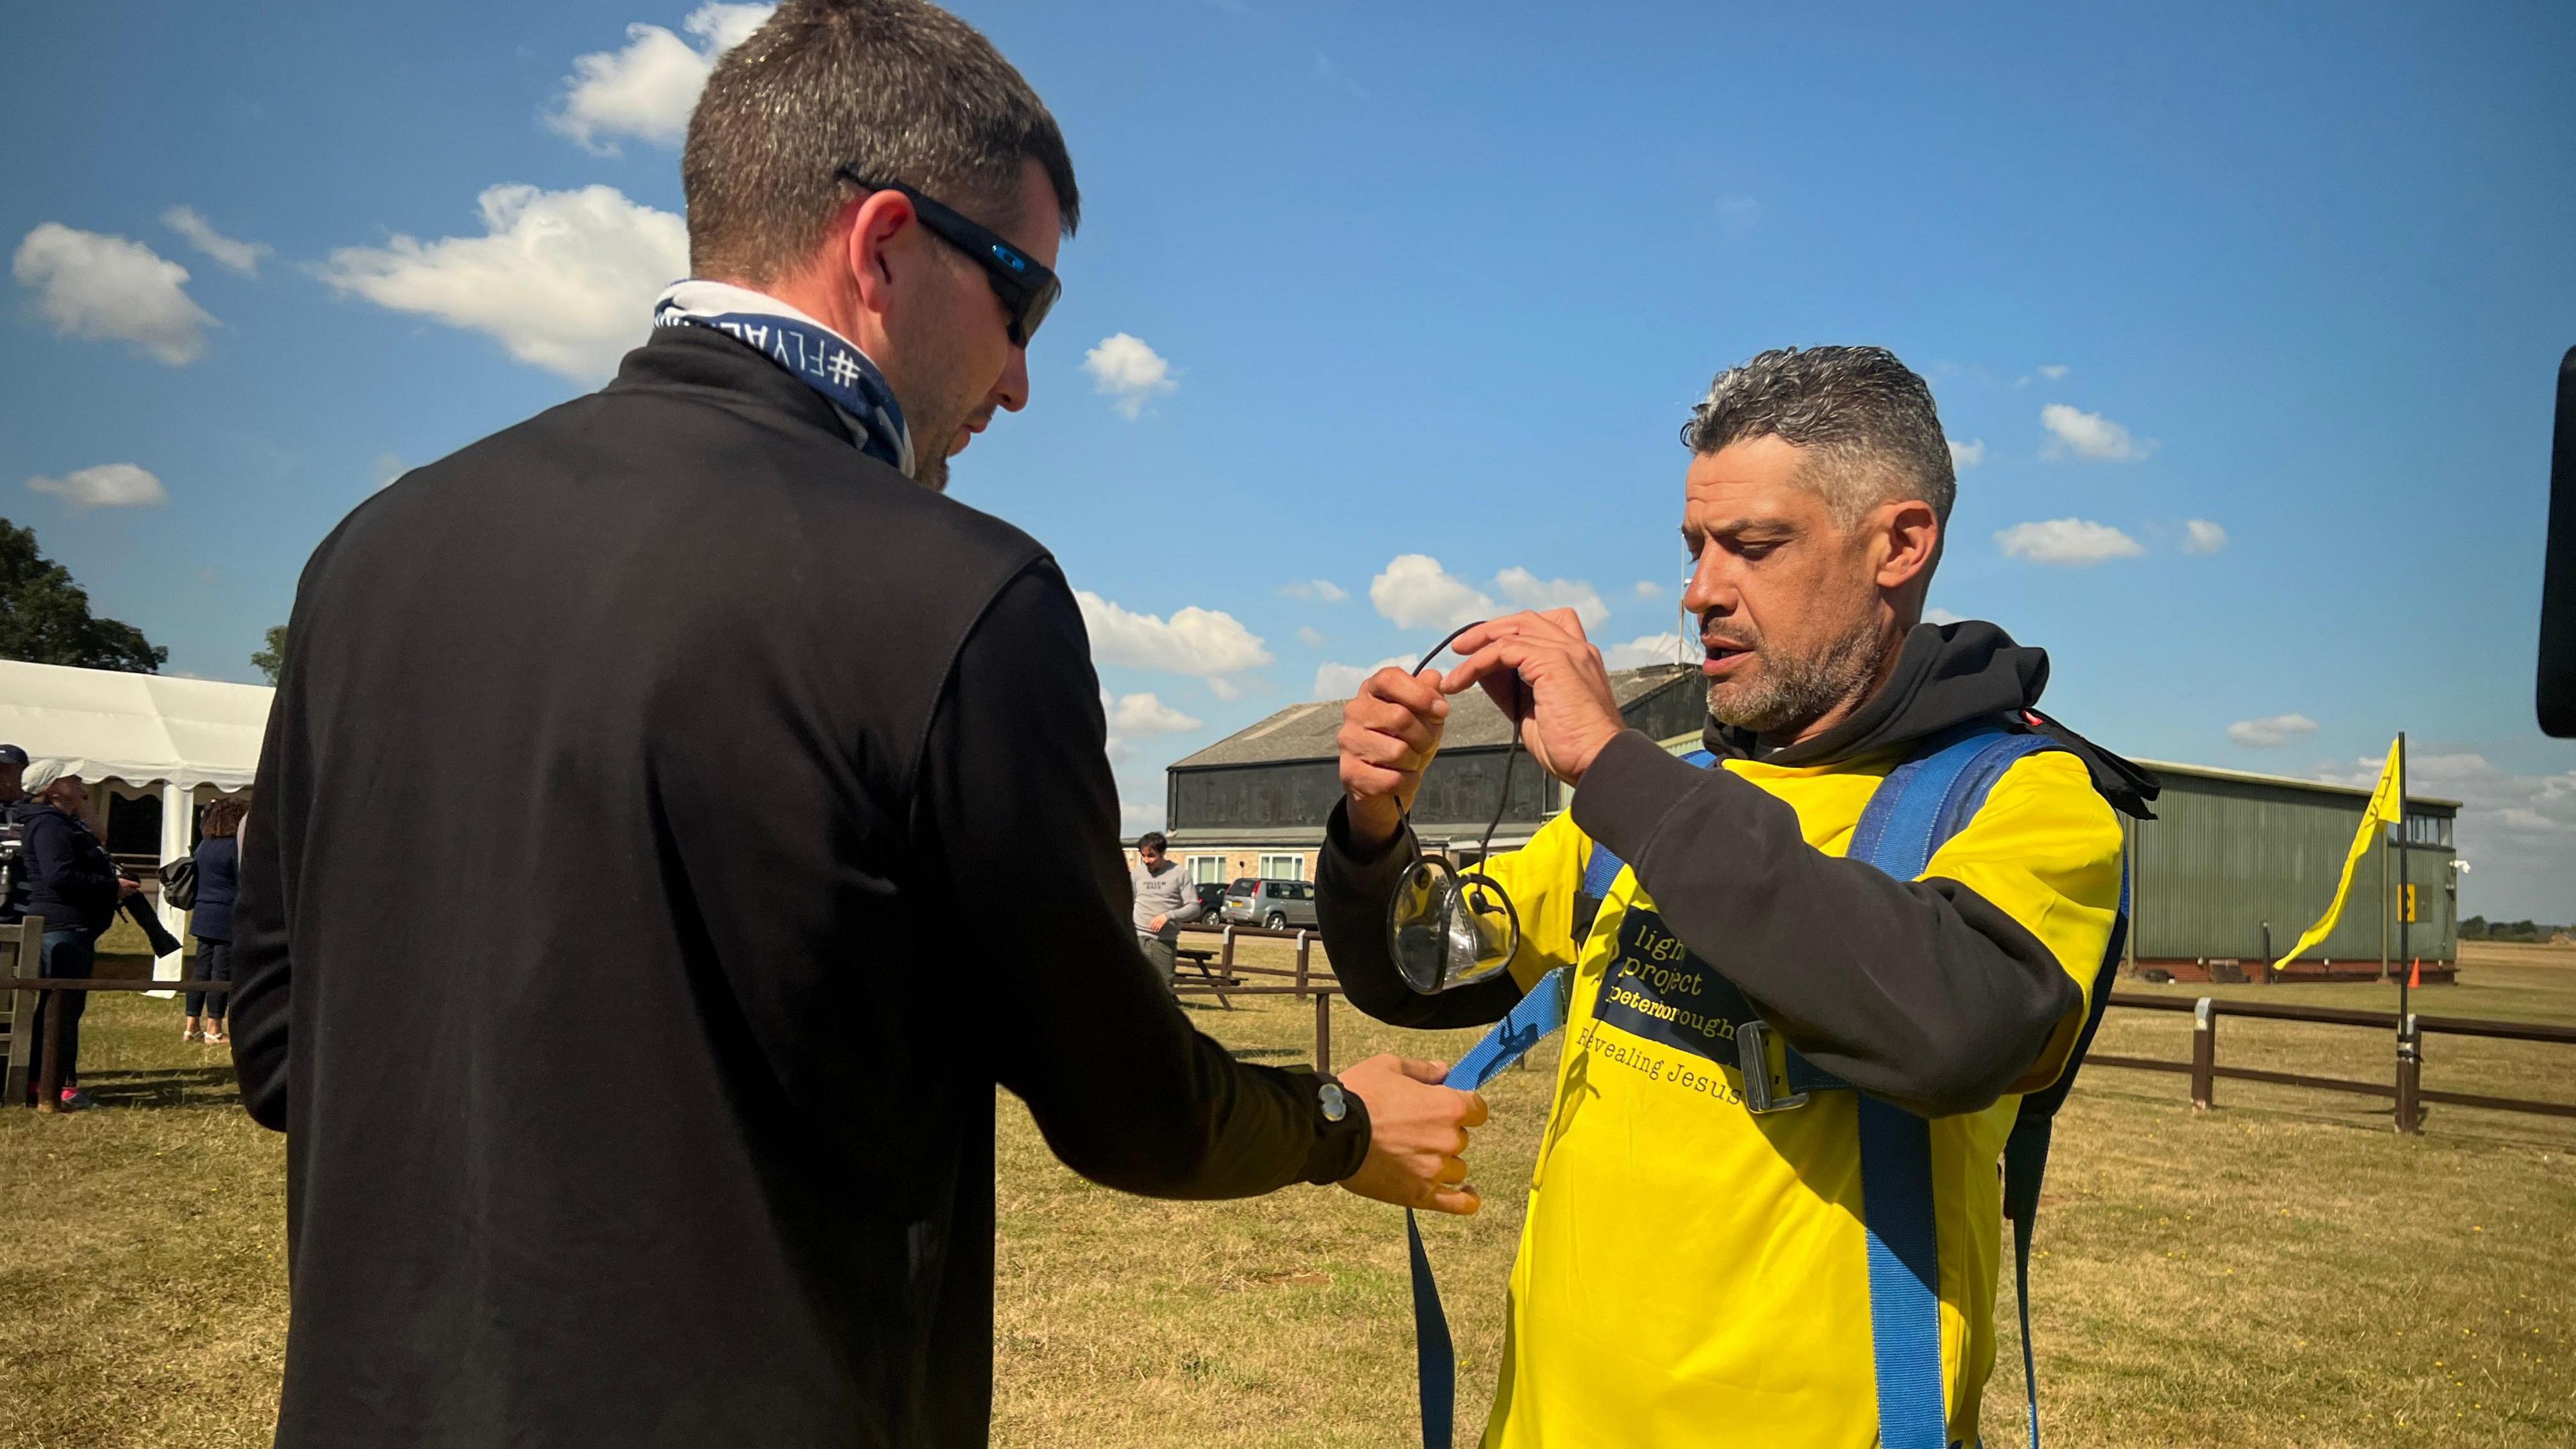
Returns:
point(75, 887)
point(218, 869)
point(1164, 899)
point(13, 764)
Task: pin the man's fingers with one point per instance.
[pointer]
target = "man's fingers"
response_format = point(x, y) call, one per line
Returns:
point(1412, 692)
point(1453, 1170)
point(1559, 625)
point(1461, 1201)
point(1476, 1111)
point(1501, 657)
point(1434, 1073)
point(1392, 715)
point(1370, 747)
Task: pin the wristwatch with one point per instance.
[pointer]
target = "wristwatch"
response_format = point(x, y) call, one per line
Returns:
point(1332, 1100)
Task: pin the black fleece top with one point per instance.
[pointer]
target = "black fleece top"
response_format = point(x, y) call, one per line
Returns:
point(71, 881)
point(606, 940)
point(1947, 1001)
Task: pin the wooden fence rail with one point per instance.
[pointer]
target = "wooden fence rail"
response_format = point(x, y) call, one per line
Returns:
point(2406, 1085)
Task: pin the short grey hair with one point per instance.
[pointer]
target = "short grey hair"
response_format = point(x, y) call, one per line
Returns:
point(1868, 418)
point(898, 90)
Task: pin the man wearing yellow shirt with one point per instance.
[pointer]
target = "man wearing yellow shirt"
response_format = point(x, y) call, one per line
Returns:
point(1700, 1260)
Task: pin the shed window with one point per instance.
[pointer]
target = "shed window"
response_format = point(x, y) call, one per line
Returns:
point(2425, 828)
point(1207, 870)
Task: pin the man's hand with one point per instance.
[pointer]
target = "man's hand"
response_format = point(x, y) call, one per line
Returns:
point(1156, 925)
point(1389, 733)
point(1547, 678)
point(1417, 1134)
point(127, 885)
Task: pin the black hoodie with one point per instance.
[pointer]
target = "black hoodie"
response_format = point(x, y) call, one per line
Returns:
point(1956, 1001)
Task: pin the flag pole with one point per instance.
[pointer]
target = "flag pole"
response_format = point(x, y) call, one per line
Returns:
point(2403, 935)
point(2387, 904)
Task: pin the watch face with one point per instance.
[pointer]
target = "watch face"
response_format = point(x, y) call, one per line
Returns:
point(1335, 1105)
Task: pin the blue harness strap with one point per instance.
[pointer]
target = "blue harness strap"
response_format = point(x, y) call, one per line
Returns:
point(1920, 805)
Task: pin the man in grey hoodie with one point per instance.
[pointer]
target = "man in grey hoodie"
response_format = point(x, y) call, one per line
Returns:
point(1165, 897)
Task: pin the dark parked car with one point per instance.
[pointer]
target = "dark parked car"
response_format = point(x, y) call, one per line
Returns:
point(1282, 905)
point(1212, 901)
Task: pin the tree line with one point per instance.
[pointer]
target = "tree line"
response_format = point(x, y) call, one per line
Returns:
point(2479, 928)
point(45, 618)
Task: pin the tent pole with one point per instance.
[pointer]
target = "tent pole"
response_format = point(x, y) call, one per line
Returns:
point(178, 839)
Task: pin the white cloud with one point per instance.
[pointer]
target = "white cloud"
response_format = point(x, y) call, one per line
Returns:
point(1143, 814)
point(2203, 536)
point(2067, 541)
point(1532, 592)
point(2263, 734)
point(2054, 370)
point(1309, 636)
point(1195, 641)
point(109, 485)
point(648, 89)
point(90, 284)
point(1224, 688)
point(1648, 589)
point(1738, 213)
point(1416, 593)
point(2090, 435)
point(563, 279)
point(1943, 616)
point(1143, 714)
point(1964, 456)
point(389, 466)
point(1645, 649)
point(1341, 681)
point(1128, 370)
point(2518, 831)
point(1323, 589)
point(241, 256)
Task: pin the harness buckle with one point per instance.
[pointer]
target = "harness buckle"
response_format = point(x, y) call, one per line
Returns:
point(1753, 1058)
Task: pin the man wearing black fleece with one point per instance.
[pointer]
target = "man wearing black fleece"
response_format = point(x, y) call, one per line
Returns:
point(662, 741)
point(1687, 1263)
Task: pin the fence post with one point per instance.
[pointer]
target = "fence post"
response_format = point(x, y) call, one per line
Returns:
point(2204, 1055)
point(49, 1089)
point(1302, 944)
point(2410, 1076)
point(1324, 1030)
point(22, 1011)
point(1225, 960)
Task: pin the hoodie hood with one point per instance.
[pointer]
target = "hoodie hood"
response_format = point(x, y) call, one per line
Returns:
point(1949, 675)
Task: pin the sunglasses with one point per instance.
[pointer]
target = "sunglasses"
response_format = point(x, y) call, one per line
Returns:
point(1448, 926)
point(1027, 290)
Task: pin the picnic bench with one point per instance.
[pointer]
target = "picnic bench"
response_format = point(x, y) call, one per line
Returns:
point(1219, 975)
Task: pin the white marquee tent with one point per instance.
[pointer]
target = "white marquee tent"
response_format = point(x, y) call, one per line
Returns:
point(189, 738)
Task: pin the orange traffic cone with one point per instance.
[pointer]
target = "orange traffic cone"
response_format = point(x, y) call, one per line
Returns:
point(2415, 975)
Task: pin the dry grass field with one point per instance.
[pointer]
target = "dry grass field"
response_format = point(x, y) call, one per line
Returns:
point(2282, 1271)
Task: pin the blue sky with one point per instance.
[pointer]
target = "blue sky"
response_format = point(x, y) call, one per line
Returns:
point(2246, 321)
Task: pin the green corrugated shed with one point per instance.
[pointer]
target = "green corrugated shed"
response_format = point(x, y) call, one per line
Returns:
point(2231, 851)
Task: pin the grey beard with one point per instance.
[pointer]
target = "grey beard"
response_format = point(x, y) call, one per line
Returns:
point(1796, 692)
point(930, 470)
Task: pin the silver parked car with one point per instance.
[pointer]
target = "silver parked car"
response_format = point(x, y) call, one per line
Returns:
point(1282, 905)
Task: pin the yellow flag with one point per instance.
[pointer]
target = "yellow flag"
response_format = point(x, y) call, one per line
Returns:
point(2385, 810)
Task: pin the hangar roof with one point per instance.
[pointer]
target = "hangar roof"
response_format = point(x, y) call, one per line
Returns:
point(1305, 731)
